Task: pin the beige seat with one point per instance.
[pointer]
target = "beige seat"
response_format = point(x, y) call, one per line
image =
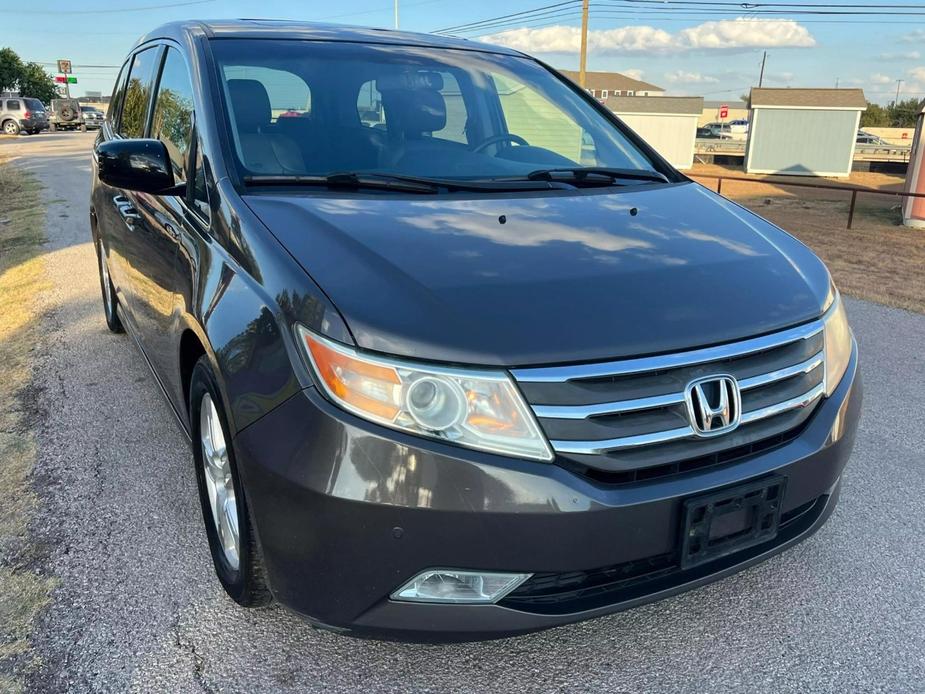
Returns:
point(264, 151)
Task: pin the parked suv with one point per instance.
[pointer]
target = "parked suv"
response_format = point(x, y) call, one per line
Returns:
point(93, 117)
point(22, 114)
point(65, 115)
point(441, 377)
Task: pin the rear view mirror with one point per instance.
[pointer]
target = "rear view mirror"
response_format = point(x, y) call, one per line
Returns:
point(139, 165)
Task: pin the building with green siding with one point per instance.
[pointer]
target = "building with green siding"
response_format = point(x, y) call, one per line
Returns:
point(803, 132)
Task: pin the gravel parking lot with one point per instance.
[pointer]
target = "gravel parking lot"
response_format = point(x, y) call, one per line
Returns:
point(138, 607)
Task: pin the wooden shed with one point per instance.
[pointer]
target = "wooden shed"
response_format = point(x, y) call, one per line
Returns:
point(667, 123)
point(803, 132)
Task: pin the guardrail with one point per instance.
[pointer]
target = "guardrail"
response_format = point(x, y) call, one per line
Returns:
point(854, 190)
point(862, 152)
point(706, 145)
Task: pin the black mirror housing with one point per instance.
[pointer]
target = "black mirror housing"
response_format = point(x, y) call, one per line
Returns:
point(141, 165)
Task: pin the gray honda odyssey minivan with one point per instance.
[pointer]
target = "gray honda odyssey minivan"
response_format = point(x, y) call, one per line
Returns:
point(458, 354)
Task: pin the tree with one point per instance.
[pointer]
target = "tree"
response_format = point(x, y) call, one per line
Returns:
point(10, 69)
point(876, 116)
point(903, 114)
point(35, 82)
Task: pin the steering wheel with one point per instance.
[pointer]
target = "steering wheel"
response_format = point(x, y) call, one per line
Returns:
point(495, 139)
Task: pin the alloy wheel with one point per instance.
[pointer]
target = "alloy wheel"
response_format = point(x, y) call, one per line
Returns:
point(219, 483)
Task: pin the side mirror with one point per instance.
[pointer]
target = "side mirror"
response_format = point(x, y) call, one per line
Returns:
point(139, 165)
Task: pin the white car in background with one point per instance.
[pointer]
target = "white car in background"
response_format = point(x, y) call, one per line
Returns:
point(733, 130)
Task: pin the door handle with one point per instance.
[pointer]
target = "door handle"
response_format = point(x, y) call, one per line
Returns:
point(126, 210)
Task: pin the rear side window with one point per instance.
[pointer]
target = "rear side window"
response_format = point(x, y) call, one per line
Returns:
point(173, 112)
point(12, 105)
point(137, 93)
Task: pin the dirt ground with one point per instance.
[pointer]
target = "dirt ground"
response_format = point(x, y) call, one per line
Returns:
point(877, 259)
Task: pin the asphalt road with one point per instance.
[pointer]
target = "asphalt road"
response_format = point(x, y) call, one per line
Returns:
point(138, 607)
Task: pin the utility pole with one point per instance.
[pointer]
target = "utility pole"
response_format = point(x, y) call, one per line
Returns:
point(898, 85)
point(583, 59)
point(836, 82)
point(761, 76)
point(396, 14)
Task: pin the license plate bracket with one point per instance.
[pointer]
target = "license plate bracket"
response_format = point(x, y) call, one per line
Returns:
point(718, 524)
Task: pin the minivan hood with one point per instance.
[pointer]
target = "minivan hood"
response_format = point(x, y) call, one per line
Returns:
point(526, 279)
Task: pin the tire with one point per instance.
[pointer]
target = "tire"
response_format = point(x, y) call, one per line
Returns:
point(241, 570)
point(110, 302)
point(10, 127)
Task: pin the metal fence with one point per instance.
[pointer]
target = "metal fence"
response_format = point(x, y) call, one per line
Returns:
point(853, 190)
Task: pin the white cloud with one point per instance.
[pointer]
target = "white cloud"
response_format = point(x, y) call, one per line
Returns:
point(918, 73)
point(726, 34)
point(684, 77)
point(747, 33)
point(880, 79)
point(902, 55)
point(564, 39)
point(632, 72)
point(917, 36)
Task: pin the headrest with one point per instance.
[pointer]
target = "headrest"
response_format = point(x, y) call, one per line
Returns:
point(410, 80)
point(250, 103)
point(415, 111)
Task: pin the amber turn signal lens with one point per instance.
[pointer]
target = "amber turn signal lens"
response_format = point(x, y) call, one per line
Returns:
point(370, 388)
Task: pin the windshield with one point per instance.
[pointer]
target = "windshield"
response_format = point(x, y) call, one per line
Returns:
point(301, 108)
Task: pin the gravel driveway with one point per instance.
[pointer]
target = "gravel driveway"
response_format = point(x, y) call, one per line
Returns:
point(138, 607)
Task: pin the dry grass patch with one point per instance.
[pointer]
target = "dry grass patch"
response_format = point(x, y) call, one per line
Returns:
point(23, 592)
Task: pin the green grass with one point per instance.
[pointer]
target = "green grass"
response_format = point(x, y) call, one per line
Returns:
point(23, 592)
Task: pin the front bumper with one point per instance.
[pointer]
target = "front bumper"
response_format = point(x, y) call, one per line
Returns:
point(346, 511)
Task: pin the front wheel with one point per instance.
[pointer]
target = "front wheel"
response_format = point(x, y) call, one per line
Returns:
point(232, 542)
point(110, 302)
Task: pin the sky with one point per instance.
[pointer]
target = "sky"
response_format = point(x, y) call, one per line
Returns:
point(686, 52)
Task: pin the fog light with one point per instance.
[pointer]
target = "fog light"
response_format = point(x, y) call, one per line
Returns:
point(449, 585)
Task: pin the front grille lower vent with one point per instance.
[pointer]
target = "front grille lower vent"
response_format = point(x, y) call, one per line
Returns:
point(627, 421)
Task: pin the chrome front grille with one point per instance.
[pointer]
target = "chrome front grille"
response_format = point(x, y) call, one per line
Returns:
point(632, 414)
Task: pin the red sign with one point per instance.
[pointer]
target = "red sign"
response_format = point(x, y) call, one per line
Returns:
point(61, 79)
point(723, 111)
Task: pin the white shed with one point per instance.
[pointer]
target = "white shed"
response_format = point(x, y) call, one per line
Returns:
point(803, 132)
point(667, 123)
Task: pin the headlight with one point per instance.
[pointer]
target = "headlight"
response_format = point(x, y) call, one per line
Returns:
point(837, 345)
point(478, 409)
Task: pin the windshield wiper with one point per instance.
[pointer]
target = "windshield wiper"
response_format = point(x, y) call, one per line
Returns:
point(595, 175)
point(403, 183)
point(347, 180)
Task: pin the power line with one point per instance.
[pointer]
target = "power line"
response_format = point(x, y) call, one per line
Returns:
point(505, 16)
point(659, 8)
point(109, 10)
